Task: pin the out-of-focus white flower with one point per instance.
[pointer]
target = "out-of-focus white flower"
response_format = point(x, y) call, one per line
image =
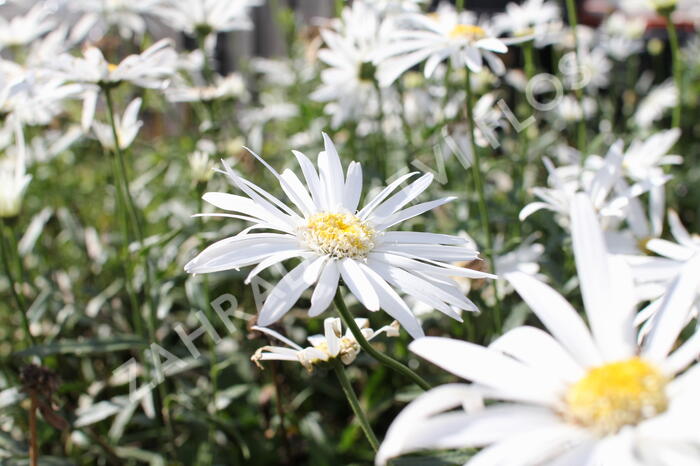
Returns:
point(206, 16)
point(201, 166)
point(578, 394)
point(23, 29)
point(324, 348)
point(152, 68)
point(652, 107)
point(593, 71)
point(334, 240)
point(127, 127)
point(435, 37)
point(600, 179)
point(13, 177)
point(686, 246)
point(537, 20)
point(348, 85)
point(223, 87)
point(622, 35)
point(127, 16)
point(569, 109)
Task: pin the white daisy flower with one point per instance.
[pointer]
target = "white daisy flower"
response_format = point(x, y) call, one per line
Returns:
point(23, 29)
point(653, 107)
point(577, 395)
point(435, 37)
point(150, 69)
point(537, 20)
point(208, 16)
point(14, 179)
point(686, 245)
point(127, 127)
point(348, 84)
point(126, 16)
point(222, 87)
point(332, 344)
point(335, 240)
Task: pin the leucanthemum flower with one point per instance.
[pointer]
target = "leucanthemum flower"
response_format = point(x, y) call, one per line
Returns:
point(536, 20)
point(151, 69)
point(222, 87)
point(127, 127)
point(577, 395)
point(334, 240)
point(14, 179)
point(208, 16)
point(23, 29)
point(435, 37)
point(324, 348)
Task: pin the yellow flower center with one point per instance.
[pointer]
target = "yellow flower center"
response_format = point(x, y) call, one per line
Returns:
point(111, 67)
point(338, 234)
point(467, 31)
point(617, 394)
point(642, 245)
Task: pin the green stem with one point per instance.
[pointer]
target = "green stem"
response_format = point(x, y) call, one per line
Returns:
point(677, 67)
point(388, 361)
point(459, 5)
point(581, 129)
point(355, 403)
point(17, 296)
point(207, 70)
point(479, 185)
point(130, 207)
point(529, 59)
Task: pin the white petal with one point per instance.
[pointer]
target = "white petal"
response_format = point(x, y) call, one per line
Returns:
point(401, 198)
point(487, 367)
point(610, 318)
point(538, 349)
point(358, 284)
point(325, 289)
point(353, 187)
point(392, 303)
point(558, 316)
point(283, 296)
point(673, 312)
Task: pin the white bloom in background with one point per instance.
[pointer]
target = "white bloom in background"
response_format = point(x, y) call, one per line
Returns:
point(623, 35)
point(152, 68)
point(569, 109)
point(435, 37)
point(98, 16)
point(207, 16)
point(537, 20)
point(223, 87)
point(686, 246)
point(201, 166)
point(335, 240)
point(593, 73)
point(652, 107)
point(127, 127)
point(23, 29)
point(13, 176)
point(578, 395)
point(324, 348)
point(348, 84)
point(601, 179)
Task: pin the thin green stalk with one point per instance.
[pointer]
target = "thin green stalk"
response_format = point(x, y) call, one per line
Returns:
point(459, 4)
point(207, 70)
point(355, 403)
point(581, 128)
point(677, 66)
point(479, 185)
point(132, 213)
point(388, 361)
point(19, 299)
point(529, 58)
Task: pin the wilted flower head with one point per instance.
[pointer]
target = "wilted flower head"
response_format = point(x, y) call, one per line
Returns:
point(324, 348)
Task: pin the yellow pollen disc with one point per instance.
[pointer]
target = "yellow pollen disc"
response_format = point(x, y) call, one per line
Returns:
point(111, 67)
point(338, 234)
point(617, 394)
point(467, 31)
point(642, 245)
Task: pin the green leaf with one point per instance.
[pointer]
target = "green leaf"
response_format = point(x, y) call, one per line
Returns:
point(83, 347)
